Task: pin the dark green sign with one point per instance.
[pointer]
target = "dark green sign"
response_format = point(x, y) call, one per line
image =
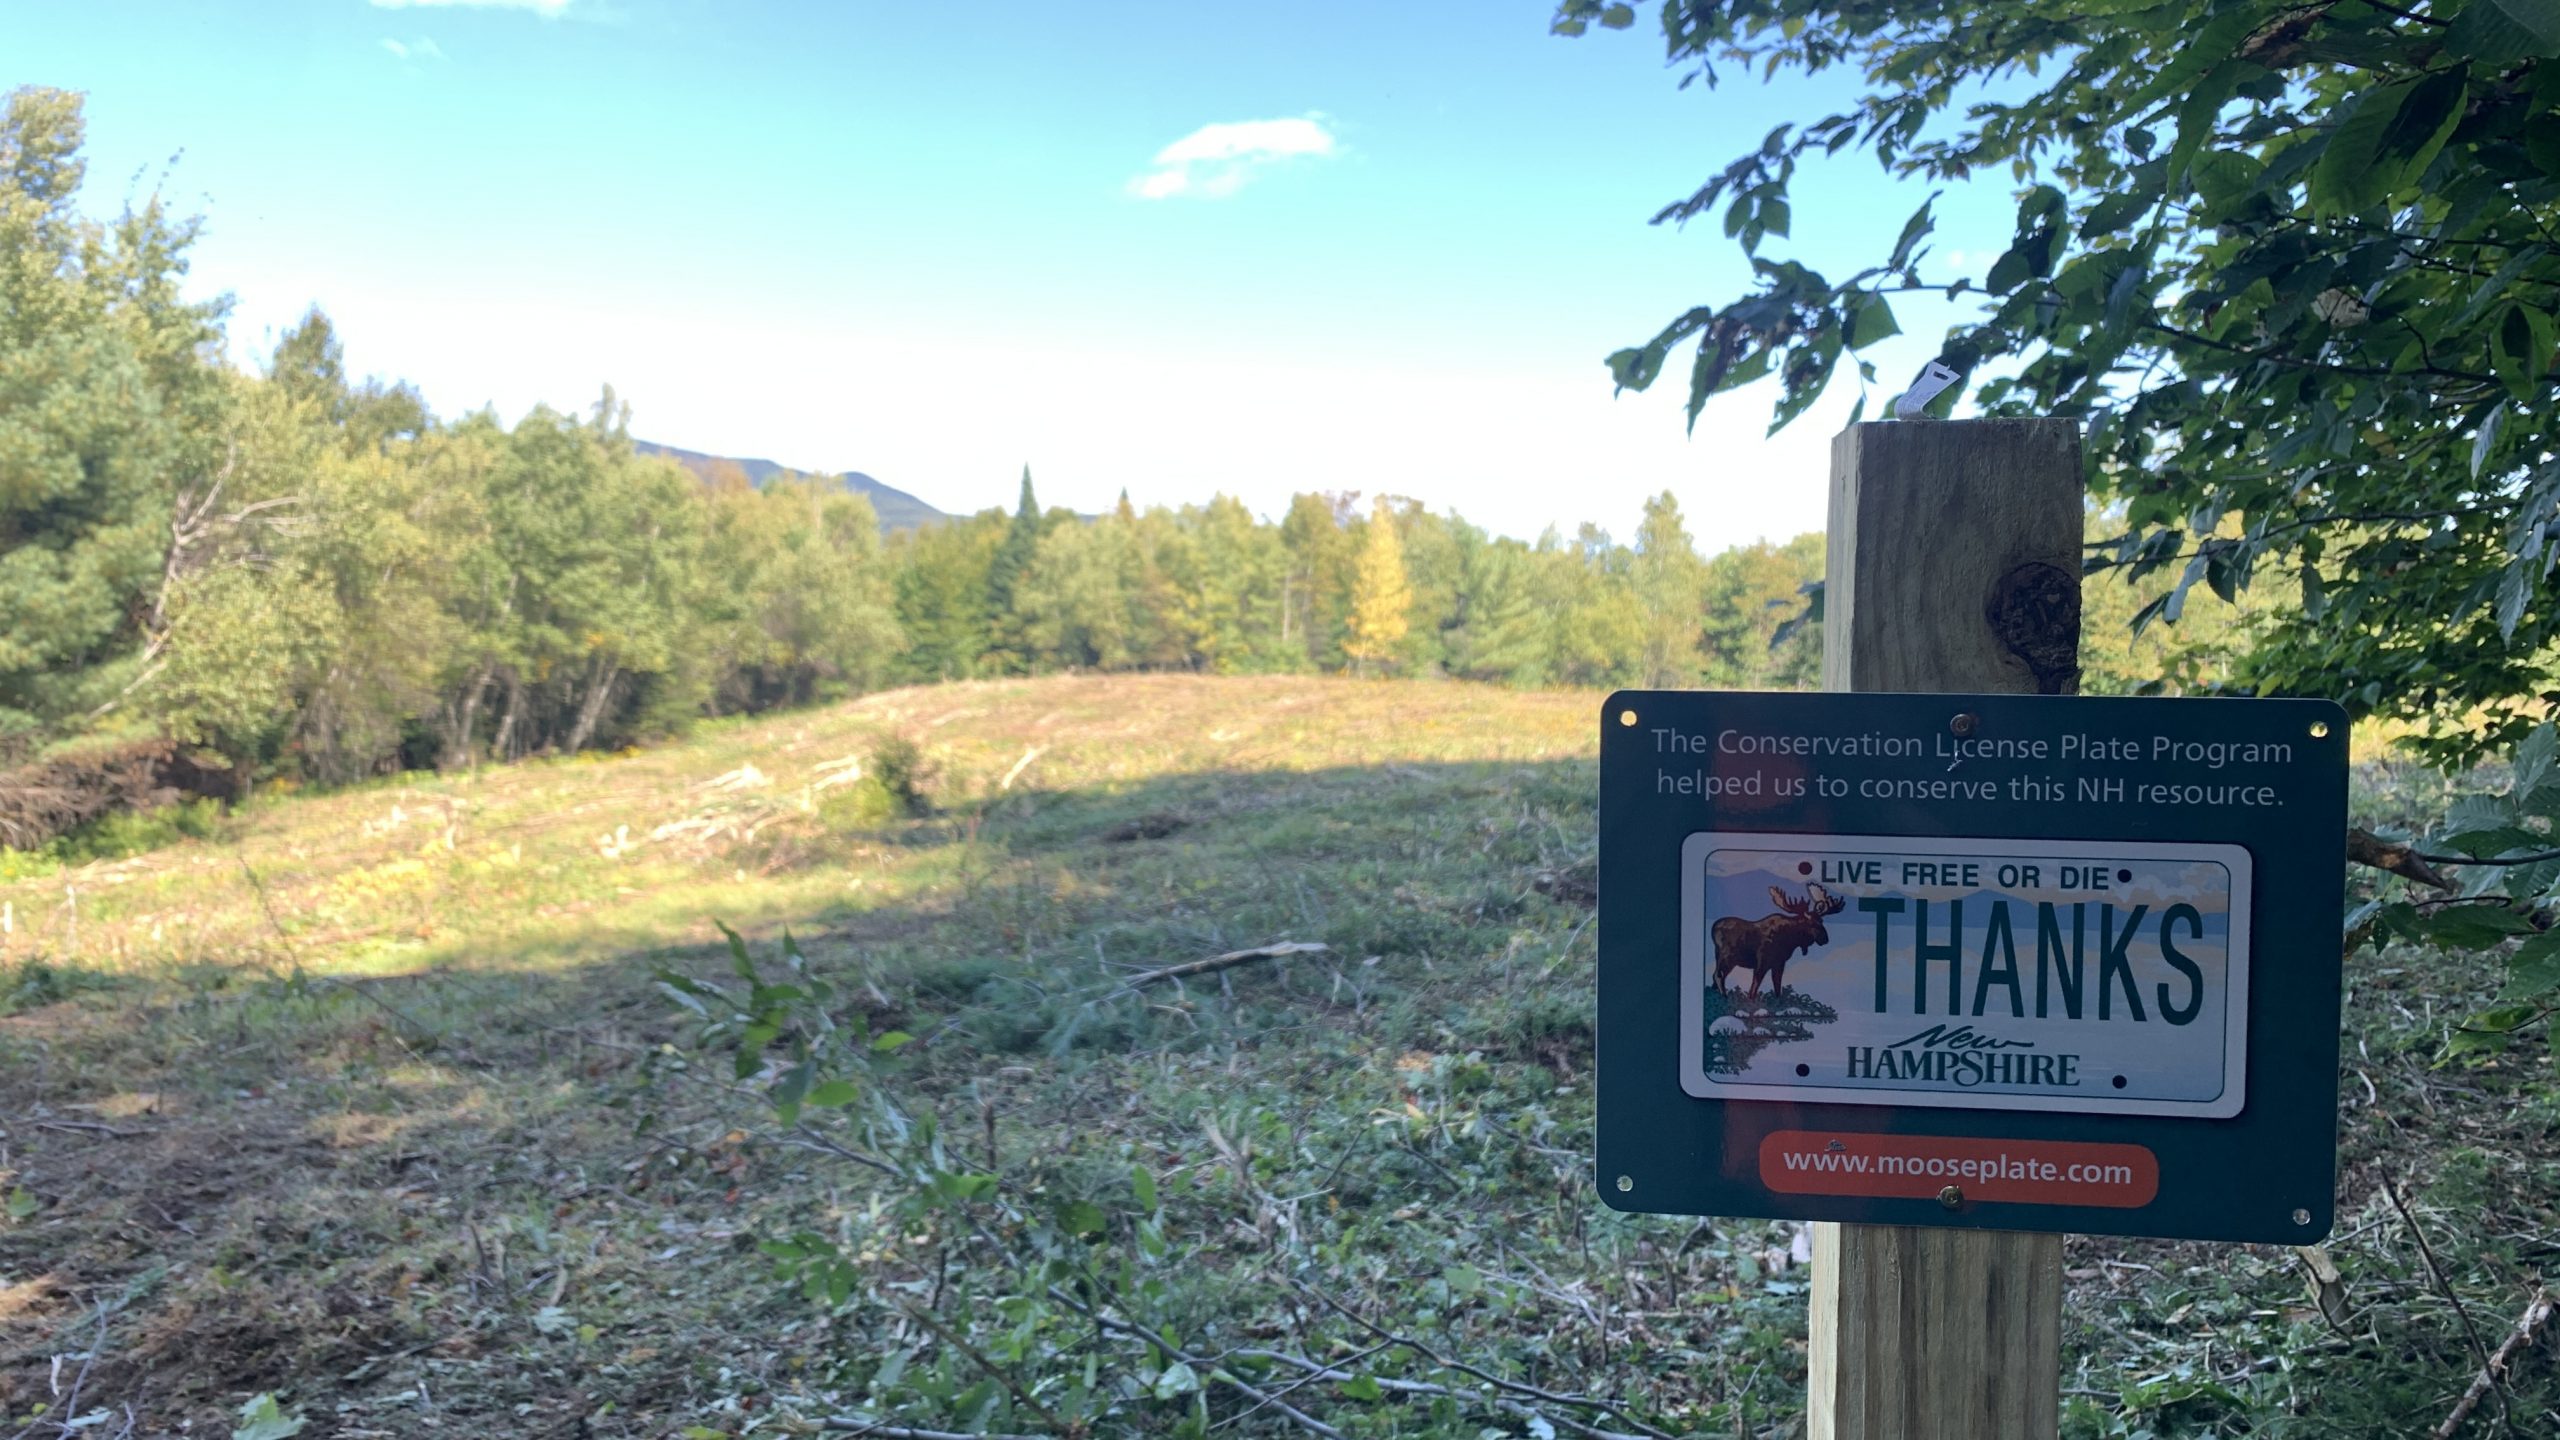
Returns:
point(2013, 962)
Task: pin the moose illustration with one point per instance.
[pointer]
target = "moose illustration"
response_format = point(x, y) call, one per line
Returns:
point(1766, 944)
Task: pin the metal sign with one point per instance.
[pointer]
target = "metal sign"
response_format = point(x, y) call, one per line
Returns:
point(2004, 961)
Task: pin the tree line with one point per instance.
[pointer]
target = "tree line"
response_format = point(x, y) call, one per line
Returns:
point(310, 574)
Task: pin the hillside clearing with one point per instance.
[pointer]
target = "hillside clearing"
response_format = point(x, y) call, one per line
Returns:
point(344, 1105)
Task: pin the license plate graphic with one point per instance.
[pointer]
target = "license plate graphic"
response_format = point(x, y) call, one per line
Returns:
point(2091, 977)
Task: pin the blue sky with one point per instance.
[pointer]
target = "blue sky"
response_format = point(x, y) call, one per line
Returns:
point(1177, 248)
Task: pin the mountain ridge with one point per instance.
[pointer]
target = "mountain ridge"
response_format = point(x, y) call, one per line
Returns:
point(897, 509)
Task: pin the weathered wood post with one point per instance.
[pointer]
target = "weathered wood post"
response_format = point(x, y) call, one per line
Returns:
point(1954, 564)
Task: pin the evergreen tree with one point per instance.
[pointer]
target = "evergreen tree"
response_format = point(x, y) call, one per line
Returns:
point(1500, 635)
point(112, 416)
point(1382, 597)
point(1005, 572)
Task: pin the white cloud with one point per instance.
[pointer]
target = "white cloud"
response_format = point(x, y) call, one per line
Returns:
point(544, 8)
point(414, 49)
point(1217, 160)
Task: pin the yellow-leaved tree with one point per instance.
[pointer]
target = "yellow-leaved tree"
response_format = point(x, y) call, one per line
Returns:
point(1381, 595)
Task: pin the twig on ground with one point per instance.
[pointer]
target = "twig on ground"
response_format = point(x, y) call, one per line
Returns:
point(89, 1127)
point(1317, 1370)
point(69, 1410)
point(2528, 1328)
point(2444, 1287)
point(1588, 1402)
point(1207, 1369)
point(858, 1425)
point(1227, 961)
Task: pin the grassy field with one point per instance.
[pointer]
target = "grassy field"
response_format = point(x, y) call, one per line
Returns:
point(374, 1103)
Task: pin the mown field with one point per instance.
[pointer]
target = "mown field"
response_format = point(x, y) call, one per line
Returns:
point(380, 1104)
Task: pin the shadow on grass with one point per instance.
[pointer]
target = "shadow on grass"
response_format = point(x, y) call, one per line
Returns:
point(343, 1186)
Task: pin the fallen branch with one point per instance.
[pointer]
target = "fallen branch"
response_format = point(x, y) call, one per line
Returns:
point(2366, 848)
point(1318, 1370)
point(994, 1371)
point(87, 1127)
point(858, 1425)
point(1019, 766)
point(1533, 1392)
point(1207, 1368)
point(1227, 961)
point(2444, 1287)
point(2528, 1329)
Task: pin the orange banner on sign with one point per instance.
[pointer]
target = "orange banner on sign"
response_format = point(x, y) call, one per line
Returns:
point(2020, 1172)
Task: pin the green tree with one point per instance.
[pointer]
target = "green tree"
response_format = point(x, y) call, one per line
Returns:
point(1499, 633)
point(310, 367)
point(2291, 263)
point(1316, 590)
point(1241, 590)
point(1752, 591)
point(1381, 596)
point(939, 594)
point(797, 596)
point(1597, 624)
point(1670, 584)
point(1005, 573)
point(110, 418)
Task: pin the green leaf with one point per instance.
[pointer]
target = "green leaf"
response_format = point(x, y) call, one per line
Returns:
point(2486, 441)
point(2515, 595)
point(22, 1205)
point(788, 1092)
point(1870, 320)
point(1914, 230)
point(2425, 122)
point(2534, 758)
point(891, 1041)
point(1361, 1387)
point(1142, 1182)
point(2493, 842)
point(1617, 17)
point(2501, 32)
point(1081, 1217)
point(2351, 175)
point(832, 1095)
point(1176, 1380)
point(2007, 273)
point(2512, 353)
point(263, 1419)
point(2474, 927)
point(2495, 286)
point(2197, 117)
point(2225, 177)
point(2533, 971)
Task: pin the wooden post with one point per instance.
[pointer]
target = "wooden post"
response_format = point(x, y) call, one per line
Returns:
point(1954, 564)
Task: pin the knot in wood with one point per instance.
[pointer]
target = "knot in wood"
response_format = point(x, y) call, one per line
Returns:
point(2034, 609)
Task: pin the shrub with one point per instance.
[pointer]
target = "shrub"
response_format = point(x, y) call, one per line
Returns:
point(906, 773)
